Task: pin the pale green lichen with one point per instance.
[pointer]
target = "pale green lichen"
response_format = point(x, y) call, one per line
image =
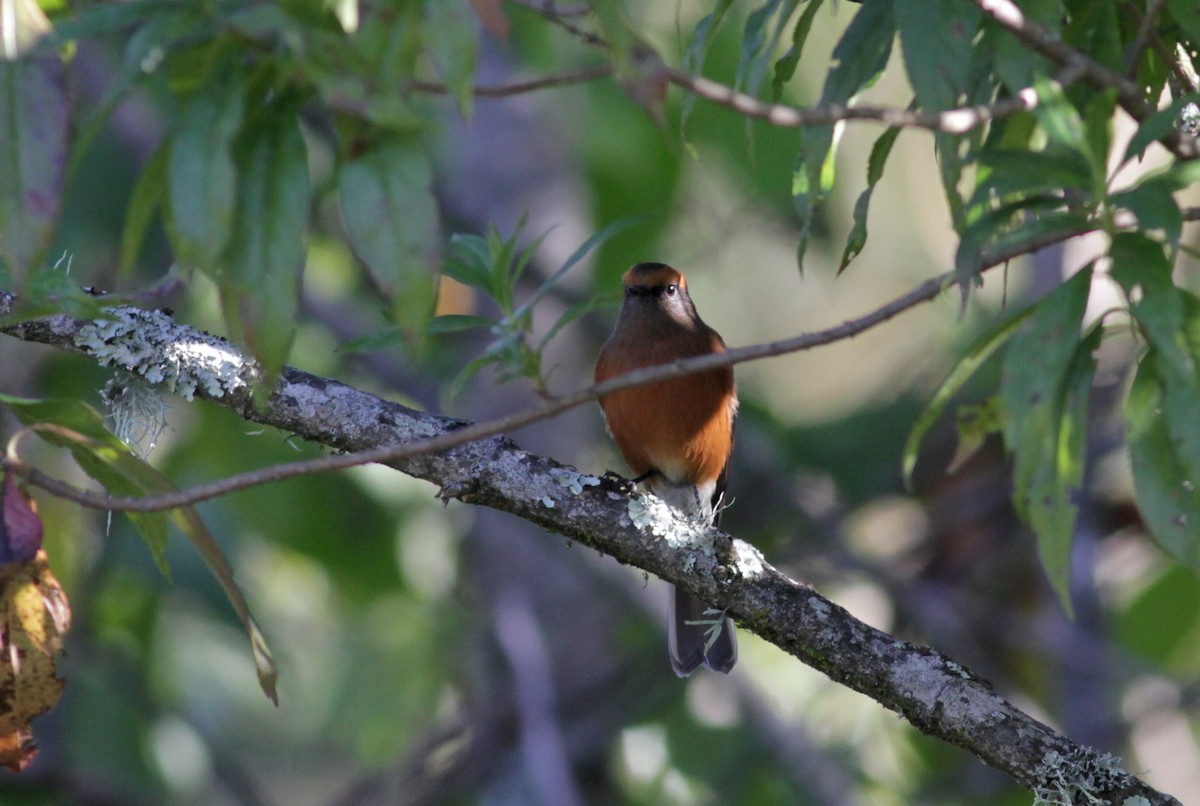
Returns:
point(650, 513)
point(573, 480)
point(150, 344)
point(1077, 778)
point(750, 561)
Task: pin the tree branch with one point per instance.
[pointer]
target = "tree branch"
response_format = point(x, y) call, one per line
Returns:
point(951, 121)
point(935, 693)
point(1009, 16)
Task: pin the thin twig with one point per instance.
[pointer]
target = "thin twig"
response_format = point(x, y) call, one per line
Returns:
point(951, 121)
point(475, 431)
point(1142, 39)
point(506, 90)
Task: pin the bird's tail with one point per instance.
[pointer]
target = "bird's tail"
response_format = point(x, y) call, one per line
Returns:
point(699, 636)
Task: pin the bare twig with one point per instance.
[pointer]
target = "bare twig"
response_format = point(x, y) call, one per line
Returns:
point(1144, 33)
point(505, 90)
point(464, 433)
point(952, 121)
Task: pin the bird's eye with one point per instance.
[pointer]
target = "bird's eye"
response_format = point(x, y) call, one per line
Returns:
point(671, 289)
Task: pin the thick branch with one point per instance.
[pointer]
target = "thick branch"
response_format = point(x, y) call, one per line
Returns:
point(933, 692)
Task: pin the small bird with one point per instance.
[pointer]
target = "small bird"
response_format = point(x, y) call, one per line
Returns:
point(675, 435)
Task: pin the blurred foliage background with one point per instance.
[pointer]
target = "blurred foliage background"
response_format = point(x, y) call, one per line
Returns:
point(434, 654)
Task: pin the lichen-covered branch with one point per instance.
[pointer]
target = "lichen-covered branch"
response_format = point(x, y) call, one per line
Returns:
point(936, 694)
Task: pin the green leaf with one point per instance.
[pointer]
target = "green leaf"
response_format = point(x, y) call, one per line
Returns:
point(597, 238)
point(697, 51)
point(456, 323)
point(469, 262)
point(201, 172)
point(857, 238)
point(1065, 128)
point(1023, 174)
point(972, 360)
point(936, 39)
point(449, 28)
point(1167, 496)
point(33, 157)
point(858, 59)
point(81, 430)
point(144, 201)
point(391, 217)
point(74, 425)
point(1044, 370)
point(1059, 476)
point(1013, 225)
point(1155, 208)
point(1186, 14)
point(760, 41)
point(259, 277)
point(785, 67)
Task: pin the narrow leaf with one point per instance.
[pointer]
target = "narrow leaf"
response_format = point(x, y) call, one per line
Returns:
point(972, 360)
point(260, 272)
point(201, 172)
point(33, 157)
point(858, 232)
point(450, 31)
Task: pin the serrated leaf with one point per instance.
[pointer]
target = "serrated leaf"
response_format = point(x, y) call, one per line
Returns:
point(1042, 391)
point(975, 356)
point(449, 28)
point(260, 271)
point(857, 238)
point(33, 157)
point(201, 172)
point(1009, 174)
point(386, 199)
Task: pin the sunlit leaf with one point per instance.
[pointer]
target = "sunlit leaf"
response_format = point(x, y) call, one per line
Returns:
point(34, 615)
point(1046, 374)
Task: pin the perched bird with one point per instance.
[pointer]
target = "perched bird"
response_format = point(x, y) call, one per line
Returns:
point(675, 435)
